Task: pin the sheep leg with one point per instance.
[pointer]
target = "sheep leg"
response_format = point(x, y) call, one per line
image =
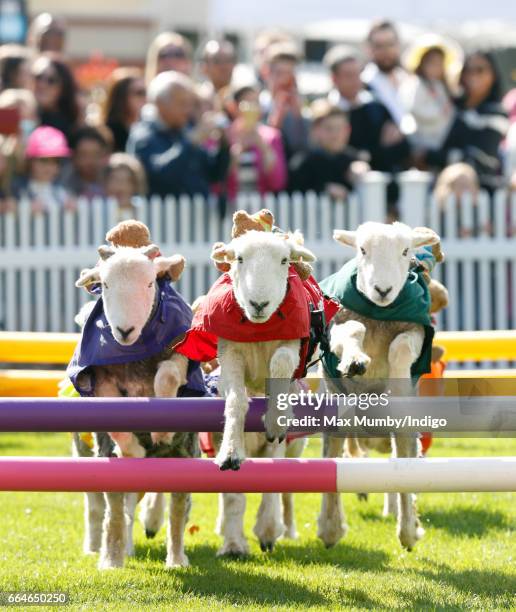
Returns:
point(331, 521)
point(231, 525)
point(283, 364)
point(93, 504)
point(152, 513)
point(179, 512)
point(346, 342)
point(269, 520)
point(170, 375)
point(131, 500)
point(232, 449)
point(114, 533)
point(294, 449)
point(403, 351)
point(94, 507)
point(127, 444)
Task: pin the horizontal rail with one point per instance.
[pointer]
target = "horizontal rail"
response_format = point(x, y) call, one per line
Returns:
point(258, 475)
point(33, 347)
point(45, 383)
point(495, 414)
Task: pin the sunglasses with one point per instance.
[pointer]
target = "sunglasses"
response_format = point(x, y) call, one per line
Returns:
point(476, 69)
point(172, 54)
point(45, 78)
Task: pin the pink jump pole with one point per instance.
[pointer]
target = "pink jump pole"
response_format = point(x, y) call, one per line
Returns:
point(164, 475)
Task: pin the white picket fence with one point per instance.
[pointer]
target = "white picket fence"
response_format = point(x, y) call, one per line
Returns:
point(41, 256)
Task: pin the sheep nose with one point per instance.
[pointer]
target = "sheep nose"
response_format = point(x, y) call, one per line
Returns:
point(125, 332)
point(259, 306)
point(383, 292)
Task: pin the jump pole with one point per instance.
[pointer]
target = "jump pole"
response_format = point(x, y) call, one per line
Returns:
point(207, 413)
point(258, 475)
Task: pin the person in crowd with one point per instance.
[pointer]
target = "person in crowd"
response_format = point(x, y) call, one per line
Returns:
point(56, 94)
point(175, 160)
point(258, 158)
point(329, 166)
point(90, 150)
point(45, 152)
point(373, 131)
point(262, 43)
point(509, 103)
point(13, 141)
point(47, 33)
point(383, 74)
point(125, 97)
point(281, 102)
point(218, 59)
point(425, 94)
point(168, 51)
point(455, 181)
point(15, 67)
point(125, 183)
point(481, 123)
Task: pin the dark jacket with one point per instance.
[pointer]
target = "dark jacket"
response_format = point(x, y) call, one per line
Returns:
point(367, 121)
point(315, 168)
point(475, 138)
point(174, 165)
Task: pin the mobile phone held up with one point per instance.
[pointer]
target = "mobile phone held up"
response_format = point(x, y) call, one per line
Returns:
point(9, 121)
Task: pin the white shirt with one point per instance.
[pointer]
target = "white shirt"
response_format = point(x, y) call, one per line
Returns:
point(386, 88)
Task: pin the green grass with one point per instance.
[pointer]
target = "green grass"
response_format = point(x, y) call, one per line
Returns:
point(466, 560)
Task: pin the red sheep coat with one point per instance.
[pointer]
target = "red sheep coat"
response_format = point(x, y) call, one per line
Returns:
point(220, 316)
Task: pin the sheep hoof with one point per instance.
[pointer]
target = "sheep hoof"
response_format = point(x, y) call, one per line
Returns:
point(150, 533)
point(267, 546)
point(362, 497)
point(356, 368)
point(270, 439)
point(231, 462)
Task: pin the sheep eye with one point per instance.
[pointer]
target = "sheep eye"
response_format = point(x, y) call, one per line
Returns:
point(284, 261)
point(240, 259)
point(150, 284)
point(362, 250)
point(405, 251)
point(105, 285)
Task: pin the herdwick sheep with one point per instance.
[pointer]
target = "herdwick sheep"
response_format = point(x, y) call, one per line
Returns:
point(381, 348)
point(126, 350)
point(239, 316)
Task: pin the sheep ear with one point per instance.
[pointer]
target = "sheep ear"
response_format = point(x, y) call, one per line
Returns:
point(222, 253)
point(173, 266)
point(300, 253)
point(105, 251)
point(424, 236)
point(345, 237)
point(88, 276)
point(151, 251)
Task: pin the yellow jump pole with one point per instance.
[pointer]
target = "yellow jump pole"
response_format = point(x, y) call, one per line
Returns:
point(30, 347)
point(478, 345)
point(30, 383)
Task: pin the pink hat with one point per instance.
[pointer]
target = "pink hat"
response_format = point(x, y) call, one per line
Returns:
point(46, 141)
point(509, 103)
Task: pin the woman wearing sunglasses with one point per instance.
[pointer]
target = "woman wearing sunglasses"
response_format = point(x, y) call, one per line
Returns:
point(168, 51)
point(56, 94)
point(125, 97)
point(481, 123)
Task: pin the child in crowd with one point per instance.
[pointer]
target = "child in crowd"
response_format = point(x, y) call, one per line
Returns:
point(125, 183)
point(425, 94)
point(258, 158)
point(90, 150)
point(329, 166)
point(46, 149)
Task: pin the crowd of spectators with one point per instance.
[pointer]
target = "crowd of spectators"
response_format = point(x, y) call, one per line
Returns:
point(185, 124)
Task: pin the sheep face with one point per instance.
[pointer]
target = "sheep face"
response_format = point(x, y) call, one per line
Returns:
point(384, 252)
point(259, 270)
point(128, 279)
